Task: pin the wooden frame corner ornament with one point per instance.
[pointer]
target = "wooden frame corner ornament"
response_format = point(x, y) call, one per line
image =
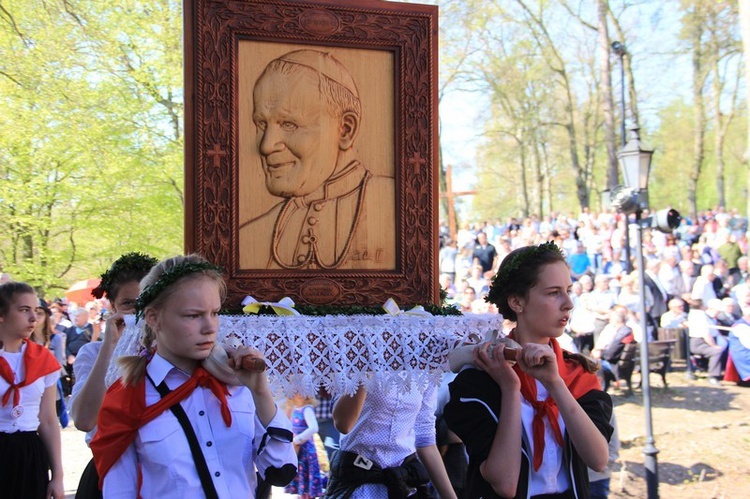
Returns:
point(311, 148)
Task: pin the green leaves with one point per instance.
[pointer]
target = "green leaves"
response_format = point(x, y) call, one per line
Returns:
point(91, 160)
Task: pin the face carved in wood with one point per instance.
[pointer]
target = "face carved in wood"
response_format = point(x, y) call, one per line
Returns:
point(300, 131)
point(307, 112)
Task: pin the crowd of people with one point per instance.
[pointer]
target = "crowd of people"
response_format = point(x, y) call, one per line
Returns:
point(530, 416)
point(696, 279)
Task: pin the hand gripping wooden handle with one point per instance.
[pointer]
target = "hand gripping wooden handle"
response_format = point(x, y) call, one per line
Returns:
point(511, 354)
point(253, 364)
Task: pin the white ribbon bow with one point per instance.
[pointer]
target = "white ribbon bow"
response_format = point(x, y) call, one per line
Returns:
point(285, 306)
point(391, 308)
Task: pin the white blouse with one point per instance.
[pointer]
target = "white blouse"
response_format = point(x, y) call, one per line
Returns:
point(82, 369)
point(162, 454)
point(551, 476)
point(25, 418)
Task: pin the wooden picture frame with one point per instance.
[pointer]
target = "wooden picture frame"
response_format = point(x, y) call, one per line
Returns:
point(239, 207)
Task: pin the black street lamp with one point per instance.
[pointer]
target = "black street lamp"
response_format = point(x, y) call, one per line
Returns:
point(619, 50)
point(635, 163)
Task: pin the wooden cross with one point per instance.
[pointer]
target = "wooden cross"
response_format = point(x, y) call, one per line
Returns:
point(417, 161)
point(451, 195)
point(217, 152)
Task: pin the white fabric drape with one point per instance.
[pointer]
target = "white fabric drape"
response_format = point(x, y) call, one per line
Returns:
point(340, 352)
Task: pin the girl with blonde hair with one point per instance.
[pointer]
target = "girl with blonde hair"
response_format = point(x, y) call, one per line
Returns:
point(309, 481)
point(170, 428)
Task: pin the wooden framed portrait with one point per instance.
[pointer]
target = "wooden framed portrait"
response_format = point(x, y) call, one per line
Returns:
point(311, 148)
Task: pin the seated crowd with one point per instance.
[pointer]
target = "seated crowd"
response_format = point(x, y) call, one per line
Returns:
point(696, 278)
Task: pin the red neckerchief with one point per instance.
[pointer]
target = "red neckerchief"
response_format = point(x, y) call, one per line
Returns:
point(38, 362)
point(578, 380)
point(124, 411)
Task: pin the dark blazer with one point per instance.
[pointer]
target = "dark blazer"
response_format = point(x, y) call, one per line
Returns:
point(75, 340)
point(612, 352)
point(660, 300)
point(473, 413)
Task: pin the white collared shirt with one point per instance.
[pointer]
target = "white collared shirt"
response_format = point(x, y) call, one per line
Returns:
point(82, 369)
point(162, 454)
point(25, 417)
point(552, 476)
point(393, 424)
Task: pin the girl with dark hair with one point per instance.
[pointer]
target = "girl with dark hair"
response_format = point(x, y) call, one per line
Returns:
point(119, 284)
point(29, 432)
point(45, 334)
point(43, 329)
point(170, 428)
point(533, 426)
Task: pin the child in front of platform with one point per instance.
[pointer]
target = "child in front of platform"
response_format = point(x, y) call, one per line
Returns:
point(30, 443)
point(309, 481)
point(169, 428)
point(388, 445)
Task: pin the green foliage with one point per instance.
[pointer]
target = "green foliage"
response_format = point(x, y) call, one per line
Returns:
point(320, 310)
point(90, 137)
point(538, 63)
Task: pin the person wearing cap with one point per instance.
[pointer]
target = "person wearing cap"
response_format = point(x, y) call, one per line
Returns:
point(60, 317)
point(334, 211)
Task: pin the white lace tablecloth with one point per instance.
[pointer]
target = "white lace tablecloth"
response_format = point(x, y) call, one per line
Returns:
point(340, 352)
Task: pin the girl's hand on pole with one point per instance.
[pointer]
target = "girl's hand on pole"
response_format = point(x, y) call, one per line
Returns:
point(490, 358)
point(540, 362)
point(250, 366)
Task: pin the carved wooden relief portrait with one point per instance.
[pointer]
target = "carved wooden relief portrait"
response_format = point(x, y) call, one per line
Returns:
point(311, 148)
point(316, 185)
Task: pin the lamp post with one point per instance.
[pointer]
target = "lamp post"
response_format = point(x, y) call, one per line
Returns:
point(619, 50)
point(635, 163)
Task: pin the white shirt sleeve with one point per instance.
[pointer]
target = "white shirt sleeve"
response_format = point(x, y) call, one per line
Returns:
point(273, 444)
point(82, 367)
point(424, 426)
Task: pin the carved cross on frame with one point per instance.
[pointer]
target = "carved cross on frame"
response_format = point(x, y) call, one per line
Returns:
point(216, 153)
point(417, 161)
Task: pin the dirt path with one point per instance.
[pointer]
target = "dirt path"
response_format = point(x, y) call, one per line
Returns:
point(702, 433)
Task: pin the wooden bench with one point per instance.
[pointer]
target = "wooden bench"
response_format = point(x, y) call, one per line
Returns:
point(659, 361)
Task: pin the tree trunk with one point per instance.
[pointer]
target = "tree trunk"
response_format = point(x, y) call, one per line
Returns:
point(442, 184)
point(745, 32)
point(524, 188)
point(699, 111)
point(538, 177)
point(719, 133)
point(628, 77)
point(605, 73)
